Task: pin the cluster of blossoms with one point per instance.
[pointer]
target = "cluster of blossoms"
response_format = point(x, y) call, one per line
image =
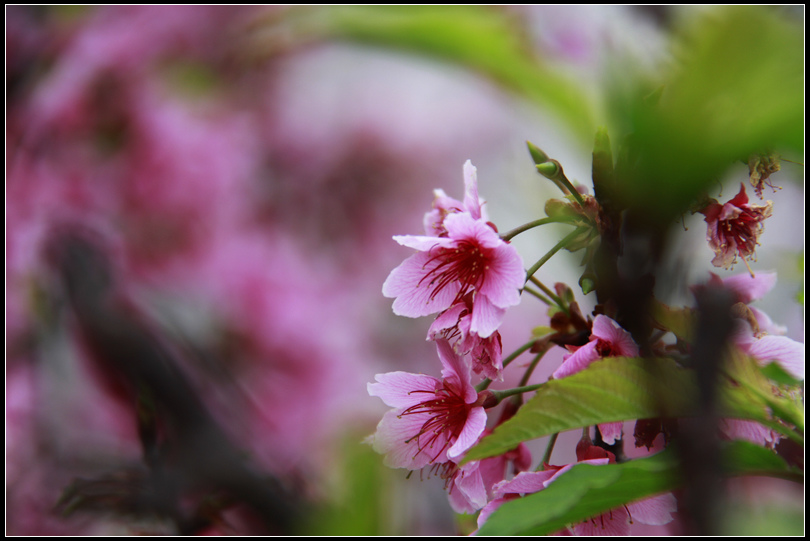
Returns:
point(468, 274)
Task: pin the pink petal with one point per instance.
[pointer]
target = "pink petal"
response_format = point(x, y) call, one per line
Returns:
point(412, 292)
point(463, 226)
point(614, 522)
point(456, 371)
point(788, 353)
point(524, 483)
point(611, 432)
point(424, 243)
point(486, 317)
point(397, 388)
point(654, 511)
point(738, 429)
point(446, 320)
point(471, 201)
point(505, 277)
point(476, 422)
point(468, 493)
point(610, 331)
point(578, 361)
point(748, 288)
point(395, 439)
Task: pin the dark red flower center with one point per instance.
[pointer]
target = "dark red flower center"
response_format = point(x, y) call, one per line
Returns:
point(464, 265)
point(447, 416)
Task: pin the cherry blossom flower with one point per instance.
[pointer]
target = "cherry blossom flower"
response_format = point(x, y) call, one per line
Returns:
point(607, 339)
point(454, 325)
point(471, 259)
point(433, 421)
point(747, 289)
point(733, 228)
point(653, 511)
point(443, 205)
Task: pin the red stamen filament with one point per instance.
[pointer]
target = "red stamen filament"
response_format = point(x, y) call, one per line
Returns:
point(464, 265)
point(448, 414)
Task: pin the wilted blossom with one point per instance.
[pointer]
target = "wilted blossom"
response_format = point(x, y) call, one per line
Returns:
point(607, 339)
point(454, 324)
point(733, 228)
point(471, 259)
point(656, 510)
point(433, 421)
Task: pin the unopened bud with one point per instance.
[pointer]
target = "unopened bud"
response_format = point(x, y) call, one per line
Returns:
point(537, 155)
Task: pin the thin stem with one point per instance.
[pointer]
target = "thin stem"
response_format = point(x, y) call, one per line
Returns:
point(549, 449)
point(511, 357)
point(562, 178)
point(525, 227)
point(550, 293)
point(525, 379)
point(500, 395)
point(538, 295)
point(559, 246)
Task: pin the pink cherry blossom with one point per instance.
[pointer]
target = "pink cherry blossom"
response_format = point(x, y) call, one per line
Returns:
point(433, 421)
point(443, 205)
point(607, 339)
point(733, 228)
point(471, 259)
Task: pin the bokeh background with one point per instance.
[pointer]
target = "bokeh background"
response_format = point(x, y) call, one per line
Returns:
point(236, 174)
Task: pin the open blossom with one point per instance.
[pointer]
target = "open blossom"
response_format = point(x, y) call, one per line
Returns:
point(733, 228)
point(747, 289)
point(443, 205)
point(656, 510)
point(433, 421)
point(471, 259)
point(607, 339)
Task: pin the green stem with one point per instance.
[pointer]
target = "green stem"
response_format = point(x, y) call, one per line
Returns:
point(525, 379)
point(549, 449)
point(538, 295)
point(525, 227)
point(500, 395)
point(560, 245)
point(550, 293)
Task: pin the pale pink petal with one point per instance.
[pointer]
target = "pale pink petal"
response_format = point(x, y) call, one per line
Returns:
point(448, 319)
point(486, 317)
point(402, 389)
point(468, 494)
point(475, 425)
point(611, 432)
point(738, 429)
point(424, 243)
point(614, 522)
point(413, 296)
point(788, 353)
point(765, 323)
point(748, 288)
point(524, 483)
point(471, 201)
point(561, 471)
point(655, 511)
point(395, 439)
point(505, 277)
point(456, 371)
point(463, 226)
point(578, 361)
point(488, 509)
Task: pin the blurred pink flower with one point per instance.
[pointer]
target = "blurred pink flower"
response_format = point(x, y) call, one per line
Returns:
point(607, 339)
point(433, 421)
point(471, 259)
point(733, 228)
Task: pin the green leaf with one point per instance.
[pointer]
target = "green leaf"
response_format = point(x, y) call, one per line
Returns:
point(586, 491)
point(613, 389)
point(620, 389)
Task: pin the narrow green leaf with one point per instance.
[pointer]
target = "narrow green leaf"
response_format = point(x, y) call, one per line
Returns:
point(586, 491)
